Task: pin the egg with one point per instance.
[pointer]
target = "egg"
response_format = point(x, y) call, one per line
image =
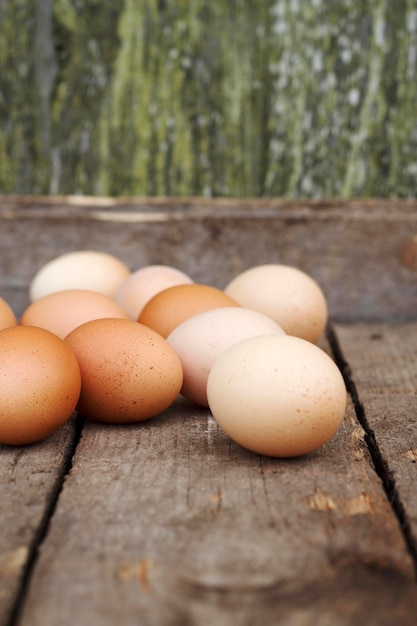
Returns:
point(200, 339)
point(146, 282)
point(129, 372)
point(62, 311)
point(80, 269)
point(286, 294)
point(40, 384)
point(168, 308)
point(7, 316)
point(277, 395)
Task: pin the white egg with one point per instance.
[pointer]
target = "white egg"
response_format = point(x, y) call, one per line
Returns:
point(81, 269)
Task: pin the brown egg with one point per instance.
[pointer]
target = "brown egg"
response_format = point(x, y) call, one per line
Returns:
point(172, 306)
point(40, 384)
point(62, 311)
point(128, 371)
point(7, 317)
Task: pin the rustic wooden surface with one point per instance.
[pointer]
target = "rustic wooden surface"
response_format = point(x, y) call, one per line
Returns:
point(170, 523)
point(30, 481)
point(354, 249)
point(383, 363)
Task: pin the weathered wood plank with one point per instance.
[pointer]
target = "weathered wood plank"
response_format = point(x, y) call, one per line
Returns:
point(168, 522)
point(226, 98)
point(353, 249)
point(30, 480)
point(383, 364)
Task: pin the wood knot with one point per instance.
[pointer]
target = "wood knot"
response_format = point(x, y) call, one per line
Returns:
point(358, 505)
point(12, 562)
point(139, 571)
point(411, 454)
point(320, 501)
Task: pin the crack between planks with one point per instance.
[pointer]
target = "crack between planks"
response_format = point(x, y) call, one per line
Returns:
point(266, 493)
point(381, 466)
point(42, 530)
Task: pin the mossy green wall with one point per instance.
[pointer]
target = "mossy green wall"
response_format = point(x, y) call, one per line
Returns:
point(209, 97)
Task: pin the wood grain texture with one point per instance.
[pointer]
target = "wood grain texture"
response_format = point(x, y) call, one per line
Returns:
point(383, 364)
point(169, 522)
point(30, 480)
point(353, 249)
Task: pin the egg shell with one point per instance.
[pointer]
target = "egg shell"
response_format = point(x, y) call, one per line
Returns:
point(80, 269)
point(174, 305)
point(62, 311)
point(286, 294)
point(146, 282)
point(279, 396)
point(7, 316)
point(40, 384)
point(128, 371)
point(201, 339)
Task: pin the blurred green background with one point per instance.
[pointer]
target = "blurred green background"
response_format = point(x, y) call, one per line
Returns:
point(239, 98)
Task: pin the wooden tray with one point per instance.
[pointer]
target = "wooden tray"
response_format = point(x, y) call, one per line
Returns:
point(169, 522)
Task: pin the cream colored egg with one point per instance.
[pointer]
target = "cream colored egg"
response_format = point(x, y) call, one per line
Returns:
point(146, 282)
point(202, 338)
point(277, 395)
point(81, 269)
point(286, 294)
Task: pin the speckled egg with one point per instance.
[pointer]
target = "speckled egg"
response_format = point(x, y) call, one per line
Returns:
point(279, 396)
point(40, 384)
point(129, 372)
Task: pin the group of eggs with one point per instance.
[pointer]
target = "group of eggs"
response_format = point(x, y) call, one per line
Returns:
point(120, 346)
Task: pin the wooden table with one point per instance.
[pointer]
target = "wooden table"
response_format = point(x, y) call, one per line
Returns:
point(168, 522)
